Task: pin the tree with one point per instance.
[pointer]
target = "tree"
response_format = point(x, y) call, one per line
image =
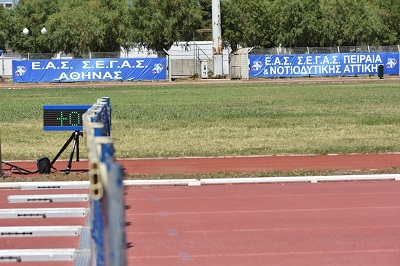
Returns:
point(349, 23)
point(246, 23)
point(31, 14)
point(114, 23)
point(157, 24)
point(296, 22)
point(205, 31)
point(76, 29)
point(388, 11)
point(3, 26)
point(79, 27)
point(73, 26)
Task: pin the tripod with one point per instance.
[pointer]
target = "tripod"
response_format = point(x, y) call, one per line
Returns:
point(75, 138)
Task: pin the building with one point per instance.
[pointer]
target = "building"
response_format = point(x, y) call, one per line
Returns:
point(8, 3)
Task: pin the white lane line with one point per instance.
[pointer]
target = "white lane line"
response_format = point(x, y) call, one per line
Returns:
point(249, 230)
point(250, 254)
point(195, 182)
point(267, 211)
point(228, 196)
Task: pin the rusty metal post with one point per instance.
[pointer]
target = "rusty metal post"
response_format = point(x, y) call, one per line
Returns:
point(217, 38)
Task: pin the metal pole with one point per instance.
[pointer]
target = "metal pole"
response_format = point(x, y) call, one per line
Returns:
point(217, 39)
point(34, 43)
point(169, 65)
point(2, 63)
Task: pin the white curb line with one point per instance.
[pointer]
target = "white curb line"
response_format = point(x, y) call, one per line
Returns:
point(197, 182)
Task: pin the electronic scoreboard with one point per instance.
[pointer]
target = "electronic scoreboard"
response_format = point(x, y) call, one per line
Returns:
point(63, 117)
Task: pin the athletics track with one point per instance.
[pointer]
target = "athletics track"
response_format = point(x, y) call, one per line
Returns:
point(324, 223)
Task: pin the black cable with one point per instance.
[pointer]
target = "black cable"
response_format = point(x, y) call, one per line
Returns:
point(20, 170)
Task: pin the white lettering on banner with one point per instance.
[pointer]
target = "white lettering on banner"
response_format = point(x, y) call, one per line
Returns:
point(139, 64)
point(85, 76)
point(125, 64)
point(360, 68)
point(362, 59)
point(50, 65)
point(321, 64)
point(317, 60)
point(90, 75)
point(86, 64)
point(64, 65)
point(99, 64)
point(95, 64)
point(302, 60)
point(112, 62)
point(36, 65)
point(268, 61)
point(303, 70)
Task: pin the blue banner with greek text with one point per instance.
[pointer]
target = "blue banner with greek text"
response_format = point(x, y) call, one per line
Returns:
point(298, 65)
point(74, 70)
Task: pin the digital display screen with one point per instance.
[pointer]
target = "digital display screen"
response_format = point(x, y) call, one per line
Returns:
point(63, 117)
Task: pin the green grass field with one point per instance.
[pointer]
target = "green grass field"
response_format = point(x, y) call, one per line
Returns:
point(215, 120)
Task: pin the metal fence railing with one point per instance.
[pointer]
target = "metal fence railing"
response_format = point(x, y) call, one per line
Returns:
point(186, 60)
point(327, 50)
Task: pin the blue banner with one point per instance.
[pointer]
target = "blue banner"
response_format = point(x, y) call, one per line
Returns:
point(269, 66)
point(74, 70)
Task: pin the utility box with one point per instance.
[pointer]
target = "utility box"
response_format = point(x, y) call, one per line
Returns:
point(380, 71)
point(204, 69)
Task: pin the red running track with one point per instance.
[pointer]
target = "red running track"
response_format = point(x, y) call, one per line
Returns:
point(333, 223)
point(336, 223)
point(236, 164)
point(24, 242)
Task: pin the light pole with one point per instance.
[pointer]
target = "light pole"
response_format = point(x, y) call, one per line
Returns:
point(2, 75)
point(25, 31)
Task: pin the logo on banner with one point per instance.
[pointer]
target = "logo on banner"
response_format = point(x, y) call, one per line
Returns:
point(20, 71)
point(257, 65)
point(391, 62)
point(157, 68)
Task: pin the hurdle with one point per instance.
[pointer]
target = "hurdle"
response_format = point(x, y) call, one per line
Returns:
point(107, 207)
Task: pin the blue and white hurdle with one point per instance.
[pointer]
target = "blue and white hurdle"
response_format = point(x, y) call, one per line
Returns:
point(107, 207)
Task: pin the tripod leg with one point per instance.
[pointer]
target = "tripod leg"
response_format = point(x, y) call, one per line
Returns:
point(76, 139)
point(77, 145)
point(63, 148)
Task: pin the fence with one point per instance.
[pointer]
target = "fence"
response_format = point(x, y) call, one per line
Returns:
point(186, 59)
point(326, 50)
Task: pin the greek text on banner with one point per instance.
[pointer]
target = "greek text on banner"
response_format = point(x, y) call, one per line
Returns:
point(74, 70)
point(323, 64)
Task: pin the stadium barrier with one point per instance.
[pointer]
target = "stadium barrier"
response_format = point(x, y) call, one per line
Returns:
point(107, 207)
